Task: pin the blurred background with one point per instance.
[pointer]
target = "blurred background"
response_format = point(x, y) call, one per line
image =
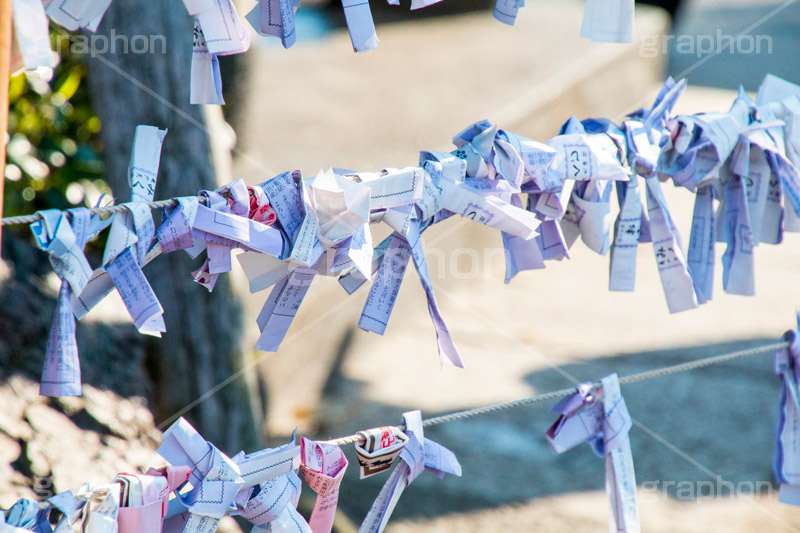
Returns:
point(318, 105)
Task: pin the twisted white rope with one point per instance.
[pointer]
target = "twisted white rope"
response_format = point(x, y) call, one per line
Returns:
point(562, 393)
point(157, 204)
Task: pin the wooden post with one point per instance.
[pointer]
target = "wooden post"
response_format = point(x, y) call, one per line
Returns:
point(5, 67)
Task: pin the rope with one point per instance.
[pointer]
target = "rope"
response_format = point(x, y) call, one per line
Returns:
point(158, 204)
point(477, 411)
point(562, 393)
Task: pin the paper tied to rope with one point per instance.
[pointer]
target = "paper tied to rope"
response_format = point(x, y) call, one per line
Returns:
point(591, 161)
point(220, 227)
point(786, 461)
point(128, 242)
point(748, 217)
point(132, 233)
point(608, 21)
point(283, 208)
point(500, 165)
point(144, 498)
point(777, 182)
point(30, 45)
point(360, 25)
point(392, 195)
point(175, 231)
point(217, 31)
point(103, 517)
point(604, 423)
point(64, 239)
point(646, 133)
point(77, 14)
point(275, 18)
point(538, 178)
point(27, 515)
point(760, 159)
point(326, 223)
point(271, 489)
point(385, 288)
point(273, 509)
point(698, 147)
point(292, 200)
point(694, 157)
point(215, 479)
point(418, 454)
point(205, 78)
point(456, 195)
point(342, 207)
point(378, 448)
point(783, 99)
point(223, 224)
point(323, 467)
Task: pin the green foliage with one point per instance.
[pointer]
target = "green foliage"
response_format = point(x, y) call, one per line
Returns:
point(53, 159)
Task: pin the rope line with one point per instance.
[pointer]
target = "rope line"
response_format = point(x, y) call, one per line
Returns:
point(477, 411)
point(562, 393)
point(157, 204)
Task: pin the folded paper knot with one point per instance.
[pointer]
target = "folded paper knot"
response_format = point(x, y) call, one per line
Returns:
point(323, 467)
point(64, 242)
point(27, 515)
point(418, 454)
point(646, 131)
point(102, 517)
point(175, 231)
point(786, 460)
point(605, 424)
point(218, 31)
point(580, 420)
point(341, 205)
point(214, 495)
point(273, 505)
point(378, 449)
point(271, 489)
point(128, 245)
point(144, 499)
point(215, 477)
point(222, 225)
point(699, 147)
point(644, 149)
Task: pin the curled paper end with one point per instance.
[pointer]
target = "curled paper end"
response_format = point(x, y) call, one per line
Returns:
point(369, 44)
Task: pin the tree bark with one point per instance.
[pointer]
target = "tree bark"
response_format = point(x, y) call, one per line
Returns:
point(202, 345)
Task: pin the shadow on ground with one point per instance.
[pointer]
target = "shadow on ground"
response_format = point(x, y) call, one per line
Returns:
point(695, 425)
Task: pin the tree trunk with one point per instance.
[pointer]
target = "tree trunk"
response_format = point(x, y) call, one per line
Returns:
point(202, 345)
